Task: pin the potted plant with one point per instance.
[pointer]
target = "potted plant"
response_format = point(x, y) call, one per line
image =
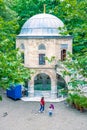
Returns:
point(70, 99)
point(77, 103)
point(84, 102)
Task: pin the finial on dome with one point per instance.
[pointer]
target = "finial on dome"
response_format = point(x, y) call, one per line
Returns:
point(44, 8)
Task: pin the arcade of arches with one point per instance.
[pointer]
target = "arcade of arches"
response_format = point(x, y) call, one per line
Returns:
point(43, 84)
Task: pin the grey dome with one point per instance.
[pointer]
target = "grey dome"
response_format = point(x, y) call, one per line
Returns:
point(42, 25)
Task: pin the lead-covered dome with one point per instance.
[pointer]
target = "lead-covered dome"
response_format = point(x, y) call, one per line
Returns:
point(42, 25)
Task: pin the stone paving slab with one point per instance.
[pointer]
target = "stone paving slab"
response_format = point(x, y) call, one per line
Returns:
point(46, 99)
point(21, 115)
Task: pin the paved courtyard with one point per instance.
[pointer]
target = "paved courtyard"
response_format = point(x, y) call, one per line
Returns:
point(23, 115)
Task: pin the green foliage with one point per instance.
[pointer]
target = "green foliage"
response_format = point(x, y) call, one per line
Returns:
point(63, 91)
point(24, 8)
point(77, 63)
point(0, 98)
point(73, 14)
point(8, 22)
point(71, 98)
point(75, 67)
point(78, 101)
point(11, 68)
point(50, 60)
point(13, 14)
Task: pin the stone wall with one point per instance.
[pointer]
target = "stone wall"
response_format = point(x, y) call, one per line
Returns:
point(53, 48)
point(31, 54)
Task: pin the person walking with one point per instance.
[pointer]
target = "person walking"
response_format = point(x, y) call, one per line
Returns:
point(42, 105)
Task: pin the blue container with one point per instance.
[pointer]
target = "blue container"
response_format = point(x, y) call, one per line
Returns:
point(14, 92)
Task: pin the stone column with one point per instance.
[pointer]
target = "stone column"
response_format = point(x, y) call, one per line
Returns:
point(54, 89)
point(54, 92)
point(30, 89)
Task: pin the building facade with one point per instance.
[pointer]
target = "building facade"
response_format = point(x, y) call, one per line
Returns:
point(40, 37)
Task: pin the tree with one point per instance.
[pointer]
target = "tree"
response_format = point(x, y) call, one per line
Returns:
point(27, 8)
point(13, 14)
point(73, 14)
point(24, 9)
point(11, 68)
point(76, 68)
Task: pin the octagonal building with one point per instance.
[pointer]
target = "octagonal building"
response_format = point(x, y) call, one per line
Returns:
point(41, 37)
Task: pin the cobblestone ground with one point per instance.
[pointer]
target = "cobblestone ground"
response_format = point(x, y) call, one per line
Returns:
point(21, 115)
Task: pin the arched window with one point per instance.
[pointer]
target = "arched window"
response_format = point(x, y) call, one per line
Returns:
point(22, 56)
point(22, 46)
point(63, 54)
point(42, 82)
point(41, 47)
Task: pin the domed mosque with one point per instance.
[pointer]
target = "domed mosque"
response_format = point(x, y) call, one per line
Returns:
point(42, 25)
point(39, 38)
